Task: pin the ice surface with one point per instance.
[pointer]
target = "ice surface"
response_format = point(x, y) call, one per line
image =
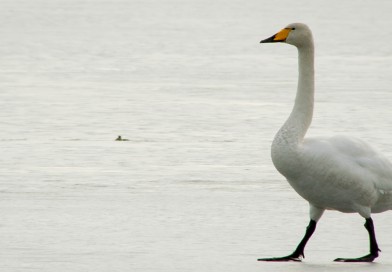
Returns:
point(200, 100)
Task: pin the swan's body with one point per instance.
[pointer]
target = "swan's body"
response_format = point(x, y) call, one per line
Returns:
point(338, 173)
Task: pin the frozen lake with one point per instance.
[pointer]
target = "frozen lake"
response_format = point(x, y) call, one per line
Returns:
point(199, 99)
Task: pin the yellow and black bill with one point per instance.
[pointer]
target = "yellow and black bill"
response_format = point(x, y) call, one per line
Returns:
point(281, 36)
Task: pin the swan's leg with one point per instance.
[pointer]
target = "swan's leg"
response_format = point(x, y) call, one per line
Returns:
point(298, 253)
point(373, 246)
point(315, 214)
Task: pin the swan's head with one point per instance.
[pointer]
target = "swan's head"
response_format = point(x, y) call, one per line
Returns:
point(296, 34)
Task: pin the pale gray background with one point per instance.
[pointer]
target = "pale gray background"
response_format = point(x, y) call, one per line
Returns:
point(187, 82)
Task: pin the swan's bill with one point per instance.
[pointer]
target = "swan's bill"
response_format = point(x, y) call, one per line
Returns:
point(281, 36)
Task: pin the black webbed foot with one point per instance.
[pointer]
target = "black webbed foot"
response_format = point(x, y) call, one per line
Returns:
point(373, 247)
point(298, 254)
point(289, 258)
point(367, 258)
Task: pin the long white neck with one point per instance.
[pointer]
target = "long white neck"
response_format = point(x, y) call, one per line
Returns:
point(286, 145)
point(294, 129)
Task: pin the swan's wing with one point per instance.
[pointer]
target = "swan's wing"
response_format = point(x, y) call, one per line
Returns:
point(351, 156)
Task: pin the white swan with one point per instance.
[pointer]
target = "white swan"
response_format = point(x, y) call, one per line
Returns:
point(338, 173)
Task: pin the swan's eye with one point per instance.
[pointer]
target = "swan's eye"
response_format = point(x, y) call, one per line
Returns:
point(293, 28)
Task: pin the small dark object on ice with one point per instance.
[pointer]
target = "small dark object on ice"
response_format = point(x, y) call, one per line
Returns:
point(121, 139)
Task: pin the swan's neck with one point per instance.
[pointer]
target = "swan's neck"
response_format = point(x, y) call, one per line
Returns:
point(285, 147)
point(294, 129)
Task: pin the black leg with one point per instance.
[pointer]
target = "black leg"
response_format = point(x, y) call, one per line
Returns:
point(298, 253)
point(373, 246)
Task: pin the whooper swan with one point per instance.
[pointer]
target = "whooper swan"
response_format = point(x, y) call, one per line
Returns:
point(338, 173)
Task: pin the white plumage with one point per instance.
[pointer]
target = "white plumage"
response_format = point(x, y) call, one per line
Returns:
point(338, 173)
point(347, 175)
